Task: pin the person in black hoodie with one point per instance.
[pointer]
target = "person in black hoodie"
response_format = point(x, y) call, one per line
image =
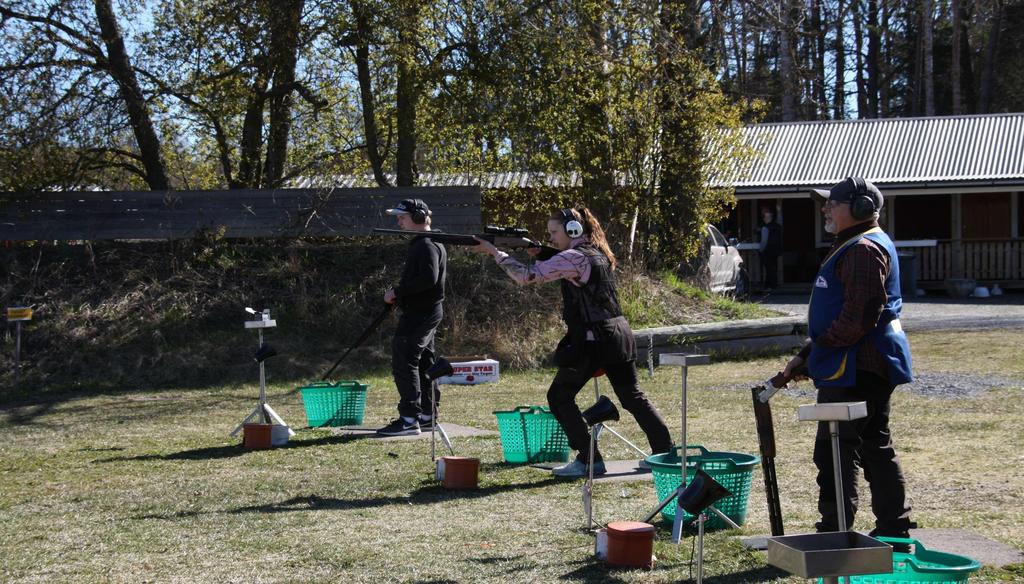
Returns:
point(419, 296)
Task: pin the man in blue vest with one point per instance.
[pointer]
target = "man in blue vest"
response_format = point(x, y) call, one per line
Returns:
point(857, 352)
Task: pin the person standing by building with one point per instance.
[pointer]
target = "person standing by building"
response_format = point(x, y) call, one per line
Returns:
point(770, 249)
point(598, 336)
point(857, 352)
point(419, 296)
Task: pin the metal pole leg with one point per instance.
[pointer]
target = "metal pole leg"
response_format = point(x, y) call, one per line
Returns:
point(588, 486)
point(700, 547)
point(833, 428)
point(437, 428)
point(17, 353)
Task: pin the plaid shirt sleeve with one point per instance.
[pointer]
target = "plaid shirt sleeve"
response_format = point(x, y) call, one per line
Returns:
point(862, 271)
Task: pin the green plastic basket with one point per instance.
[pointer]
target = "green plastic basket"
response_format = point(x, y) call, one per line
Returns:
point(921, 565)
point(732, 470)
point(532, 434)
point(334, 404)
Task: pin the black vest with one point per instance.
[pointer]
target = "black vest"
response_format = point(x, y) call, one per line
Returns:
point(774, 246)
point(596, 300)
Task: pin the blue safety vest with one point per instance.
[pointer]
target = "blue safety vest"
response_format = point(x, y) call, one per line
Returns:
point(837, 366)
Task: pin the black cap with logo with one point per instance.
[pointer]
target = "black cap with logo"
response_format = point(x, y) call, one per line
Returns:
point(848, 189)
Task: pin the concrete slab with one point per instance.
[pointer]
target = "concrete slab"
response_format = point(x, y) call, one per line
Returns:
point(619, 471)
point(370, 432)
point(970, 544)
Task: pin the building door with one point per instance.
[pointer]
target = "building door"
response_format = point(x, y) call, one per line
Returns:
point(800, 256)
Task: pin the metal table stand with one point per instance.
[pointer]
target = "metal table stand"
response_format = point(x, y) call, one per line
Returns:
point(836, 555)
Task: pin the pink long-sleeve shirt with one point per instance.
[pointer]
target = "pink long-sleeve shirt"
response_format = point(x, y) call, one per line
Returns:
point(568, 264)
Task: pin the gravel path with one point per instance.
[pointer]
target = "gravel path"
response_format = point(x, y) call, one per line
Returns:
point(935, 384)
point(957, 385)
point(935, 312)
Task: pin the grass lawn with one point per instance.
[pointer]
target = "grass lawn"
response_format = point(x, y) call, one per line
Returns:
point(147, 486)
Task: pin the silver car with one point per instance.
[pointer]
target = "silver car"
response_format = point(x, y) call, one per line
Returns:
point(725, 266)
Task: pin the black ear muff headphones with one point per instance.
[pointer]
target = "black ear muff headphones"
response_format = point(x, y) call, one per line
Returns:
point(573, 228)
point(862, 205)
point(418, 213)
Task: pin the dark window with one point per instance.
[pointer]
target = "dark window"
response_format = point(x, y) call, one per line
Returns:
point(922, 216)
point(986, 215)
point(800, 257)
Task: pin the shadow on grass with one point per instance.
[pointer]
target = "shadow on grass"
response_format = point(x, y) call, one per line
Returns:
point(759, 574)
point(25, 414)
point(594, 570)
point(231, 451)
point(428, 494)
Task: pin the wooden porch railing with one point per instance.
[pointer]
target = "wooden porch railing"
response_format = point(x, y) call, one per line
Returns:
point(999, 260)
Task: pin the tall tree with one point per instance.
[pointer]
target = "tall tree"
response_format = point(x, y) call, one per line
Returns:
point(988, 70)
point(59, 36)
point(955, 70)
point(874, 57)
point(839, 93)
point(787, 68)
point(928, 56)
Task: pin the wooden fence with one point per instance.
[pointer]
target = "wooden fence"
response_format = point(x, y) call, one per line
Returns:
point(105, 215)
point(990, 261)
point(993, 260)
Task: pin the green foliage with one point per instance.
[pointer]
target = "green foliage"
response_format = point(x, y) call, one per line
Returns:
point(171, 312)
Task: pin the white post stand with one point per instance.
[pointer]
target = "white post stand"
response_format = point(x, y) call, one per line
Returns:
point(262, 413)
point(684, 362)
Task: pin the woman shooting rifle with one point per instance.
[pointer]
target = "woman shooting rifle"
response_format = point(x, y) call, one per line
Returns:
point(598, 336)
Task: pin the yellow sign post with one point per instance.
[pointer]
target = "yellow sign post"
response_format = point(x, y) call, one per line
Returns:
point(18, 314)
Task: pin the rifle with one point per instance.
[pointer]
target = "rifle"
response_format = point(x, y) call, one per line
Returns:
point(506, 237)
point(766, 440)
point(362, 337)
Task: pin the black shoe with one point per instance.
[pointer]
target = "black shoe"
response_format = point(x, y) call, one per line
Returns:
point(426, 424)
point(399, 427)
point(898, 547)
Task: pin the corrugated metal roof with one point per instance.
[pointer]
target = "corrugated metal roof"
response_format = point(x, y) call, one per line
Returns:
point(886, 151)
point(901, 150)
point(485, 180)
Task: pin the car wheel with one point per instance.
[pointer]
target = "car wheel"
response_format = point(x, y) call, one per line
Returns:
point(742, 291)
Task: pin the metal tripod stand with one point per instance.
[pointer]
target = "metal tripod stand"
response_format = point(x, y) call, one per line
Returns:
point(597, 417)
point(604, 426)
point(262, 413)
point(441, 368)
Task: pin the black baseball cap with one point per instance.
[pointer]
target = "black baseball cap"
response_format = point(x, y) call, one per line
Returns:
point(843, 192)
point(409, 206)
